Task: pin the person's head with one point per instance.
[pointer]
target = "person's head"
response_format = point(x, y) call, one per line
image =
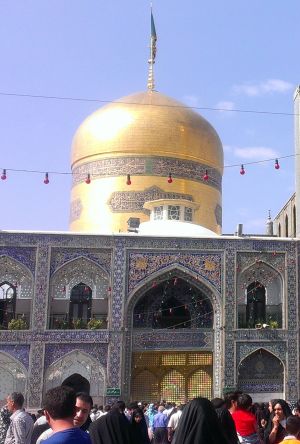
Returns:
point(161, 408)
point(244, 401)
point(293, 426)
point(231, 400)
point(119, 405)
point(83, 406)
point(281, 409)
point(218, 403)
point(14, 401)
point(137, 415)
point(132, 406)
point(107, 408)
point(59, 404)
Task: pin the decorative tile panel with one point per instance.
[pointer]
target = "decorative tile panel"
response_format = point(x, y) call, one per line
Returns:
point(134, 200)
point(18, 351)
point(147, 166)
point(53, 352)
point(142, 265)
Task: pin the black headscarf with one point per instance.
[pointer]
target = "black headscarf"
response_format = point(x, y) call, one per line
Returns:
point(199, 424)
point(139, 429)
point(281, 433)
point(112, 428)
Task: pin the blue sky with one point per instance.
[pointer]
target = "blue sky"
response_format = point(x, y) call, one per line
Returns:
point(232, 54)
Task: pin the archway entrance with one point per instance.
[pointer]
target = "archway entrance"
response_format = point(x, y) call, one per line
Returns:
point(78, 383)
point(261, 375)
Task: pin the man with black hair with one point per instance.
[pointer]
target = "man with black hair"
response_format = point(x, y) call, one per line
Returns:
point(21, 423)
point(60, 411)
point(83, 406)
point(292, 430)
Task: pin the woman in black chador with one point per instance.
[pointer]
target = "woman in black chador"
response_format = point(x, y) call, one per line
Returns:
point(199, 424)
point(112, 428)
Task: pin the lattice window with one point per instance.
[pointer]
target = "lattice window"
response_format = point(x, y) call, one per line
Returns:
point(199, 384)
point(158, 213)
point(154, 376)
point(145, 387)
point(200, 359)
point(173, 359)
point(173, 212)
point(173, 387)
point(188, 214)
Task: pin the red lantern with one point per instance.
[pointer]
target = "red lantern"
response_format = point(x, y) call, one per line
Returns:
point(170, 180)
point(242, 170)
point(3, 176)
point(277, 166)
point(154, 284)
point(46, 180)
point(128, 182)
point(205, 177)
point(88, 179)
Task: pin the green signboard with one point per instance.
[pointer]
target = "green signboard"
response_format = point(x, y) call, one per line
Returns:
point(113, 391)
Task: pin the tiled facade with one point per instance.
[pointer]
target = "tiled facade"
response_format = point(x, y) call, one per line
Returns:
point(131, 264)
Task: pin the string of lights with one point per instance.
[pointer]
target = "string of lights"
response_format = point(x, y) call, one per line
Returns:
point(203, 108)
point(89, 177)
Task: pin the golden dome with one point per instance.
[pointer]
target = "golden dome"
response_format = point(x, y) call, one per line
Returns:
point(147, 123)
point(149, 136)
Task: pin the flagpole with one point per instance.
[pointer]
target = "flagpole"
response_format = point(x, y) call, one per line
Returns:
point(151, 61)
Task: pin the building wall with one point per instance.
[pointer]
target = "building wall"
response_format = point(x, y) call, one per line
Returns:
point(286, 220)
point(131, 264)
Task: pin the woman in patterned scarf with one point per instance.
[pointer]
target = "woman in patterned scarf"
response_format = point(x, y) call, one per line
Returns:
point(151, 411)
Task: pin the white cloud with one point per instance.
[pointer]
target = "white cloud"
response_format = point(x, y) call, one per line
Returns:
point(225, 106)
point(269, 86)
point(227, 148)
point(191, 100)
point(255, 153)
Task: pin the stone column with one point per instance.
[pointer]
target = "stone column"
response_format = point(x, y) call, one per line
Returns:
point(114, 364)
point(229, 299)
point(38, 325)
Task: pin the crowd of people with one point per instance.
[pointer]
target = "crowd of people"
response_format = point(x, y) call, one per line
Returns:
point(70, 418)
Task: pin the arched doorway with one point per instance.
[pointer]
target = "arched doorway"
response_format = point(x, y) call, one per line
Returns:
point(7, 303)
point(261, 375)
point(256, 304)
point(80, 303)
point(183, 307)
point(173, 303)
point(78, 383)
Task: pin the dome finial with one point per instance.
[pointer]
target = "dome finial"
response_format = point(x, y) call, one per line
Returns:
point(151, 60)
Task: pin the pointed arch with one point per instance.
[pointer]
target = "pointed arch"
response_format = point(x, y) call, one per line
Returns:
point(172, 386)
point(13, 376)
point(78, 270)
point(294, 221)
point(261, 371)
point(286, 226)
point(80, 363)
point(200, 384)
point(171, 272)
point(17, 274)
point(260, 277)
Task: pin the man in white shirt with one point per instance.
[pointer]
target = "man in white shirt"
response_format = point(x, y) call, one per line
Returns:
point(21, 423)
point(173, 422)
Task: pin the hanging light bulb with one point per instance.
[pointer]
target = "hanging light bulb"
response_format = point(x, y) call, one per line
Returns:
point(88, 179)
point(3, 176)
point(242, 170)
point(170, 180)
point(277, 166)
point(128, 181)
point(46, 180)
point(205, 177)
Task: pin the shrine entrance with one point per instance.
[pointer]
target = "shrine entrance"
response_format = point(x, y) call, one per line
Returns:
point(172, 376)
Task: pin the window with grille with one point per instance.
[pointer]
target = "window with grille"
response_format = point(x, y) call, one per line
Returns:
point(158, 213)
point(173, 212)
point(154, 376)
point(188, 214)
